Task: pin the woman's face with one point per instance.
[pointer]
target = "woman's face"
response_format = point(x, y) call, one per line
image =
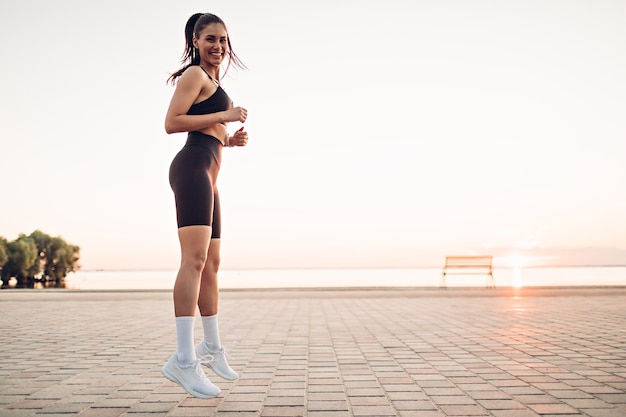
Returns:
point(212, 43)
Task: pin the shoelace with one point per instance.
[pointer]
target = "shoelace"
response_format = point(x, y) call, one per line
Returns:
point(198, 369)
point(206, 359)
point(215, 356)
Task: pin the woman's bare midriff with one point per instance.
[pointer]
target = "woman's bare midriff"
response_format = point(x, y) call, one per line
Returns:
point(218, 131)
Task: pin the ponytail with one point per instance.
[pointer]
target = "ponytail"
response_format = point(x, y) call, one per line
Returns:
point(195, 24)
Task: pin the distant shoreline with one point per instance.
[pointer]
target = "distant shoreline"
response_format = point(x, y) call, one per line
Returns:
point(323, 268)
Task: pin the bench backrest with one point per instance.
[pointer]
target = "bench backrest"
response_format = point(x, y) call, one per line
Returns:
point(468, 261)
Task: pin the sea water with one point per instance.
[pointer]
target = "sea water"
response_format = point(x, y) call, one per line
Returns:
point(354, 278)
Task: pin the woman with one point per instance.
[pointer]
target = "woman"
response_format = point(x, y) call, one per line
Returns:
point(201, 107)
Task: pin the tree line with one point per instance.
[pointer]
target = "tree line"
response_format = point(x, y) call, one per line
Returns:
point(37, 257)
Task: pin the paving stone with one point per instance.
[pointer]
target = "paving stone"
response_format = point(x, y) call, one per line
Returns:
point(192, 412)
point(605, 412)
point(154, 407)
point(463, 410)
point(501, 404)
point(103, 412)
point(368, 401)
point(235, 406)
point(573, 394)
point(617, 398)
point(407, 396)
point(286, 401)
point(31, 404)
point(327, 405)
point(488, 395)
point(585, 403)
point(421, 413)
point(553, 409)
point(372, 410)
point(549, 352)
point(290, 411)
point(64, 408)
point(513, 413)
point(413, 405)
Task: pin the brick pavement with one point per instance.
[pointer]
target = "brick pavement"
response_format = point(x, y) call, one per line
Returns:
point(323, 353)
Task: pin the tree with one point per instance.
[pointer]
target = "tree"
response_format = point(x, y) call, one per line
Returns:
point(22, 255)
point(38, 256)
point(60, 258)
point(3, 252)
point(41, 241)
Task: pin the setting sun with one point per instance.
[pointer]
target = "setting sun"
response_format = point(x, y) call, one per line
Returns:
point(517, 260)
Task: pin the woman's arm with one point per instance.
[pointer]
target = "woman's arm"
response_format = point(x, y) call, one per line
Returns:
point(188, 88)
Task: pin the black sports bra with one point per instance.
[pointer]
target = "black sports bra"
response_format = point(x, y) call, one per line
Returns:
point(219, 101)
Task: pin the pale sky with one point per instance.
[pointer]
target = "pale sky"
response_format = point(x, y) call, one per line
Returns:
point(381, 133)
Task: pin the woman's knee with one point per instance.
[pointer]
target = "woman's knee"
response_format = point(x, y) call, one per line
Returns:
point(213, 262)
point(195, 261)
point(213, 257)
point(194, 242)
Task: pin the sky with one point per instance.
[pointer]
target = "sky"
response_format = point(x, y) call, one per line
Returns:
point(382, 134)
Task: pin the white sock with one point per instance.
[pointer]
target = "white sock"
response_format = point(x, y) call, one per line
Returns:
point(211, 332)
point(185, 353)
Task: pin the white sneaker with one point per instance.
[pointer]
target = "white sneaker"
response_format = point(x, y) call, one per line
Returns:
point(217, 361)
point(191, 377)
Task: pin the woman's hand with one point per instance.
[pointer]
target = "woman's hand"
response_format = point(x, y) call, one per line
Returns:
point(236, 114)
point(239, 138)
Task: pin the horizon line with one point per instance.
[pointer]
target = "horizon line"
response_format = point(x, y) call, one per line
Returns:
point(354, 268)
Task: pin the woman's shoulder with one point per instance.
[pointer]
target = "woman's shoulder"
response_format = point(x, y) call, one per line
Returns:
point(192, 72)
point(191, 75)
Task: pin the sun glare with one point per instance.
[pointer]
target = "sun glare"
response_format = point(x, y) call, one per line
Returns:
point(517, 261)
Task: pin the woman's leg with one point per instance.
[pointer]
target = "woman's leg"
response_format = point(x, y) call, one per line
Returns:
point(194, 247)
point(208, 305)
point(183, 367)
point(209, 291)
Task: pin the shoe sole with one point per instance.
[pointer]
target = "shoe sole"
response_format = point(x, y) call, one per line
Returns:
point(172, 378)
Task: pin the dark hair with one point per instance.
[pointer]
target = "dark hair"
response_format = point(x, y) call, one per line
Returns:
point(194, 26)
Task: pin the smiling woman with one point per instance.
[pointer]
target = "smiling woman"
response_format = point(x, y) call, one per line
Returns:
point(201, 107)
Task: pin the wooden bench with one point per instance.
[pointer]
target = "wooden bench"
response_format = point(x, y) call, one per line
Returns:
point(468, 265)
